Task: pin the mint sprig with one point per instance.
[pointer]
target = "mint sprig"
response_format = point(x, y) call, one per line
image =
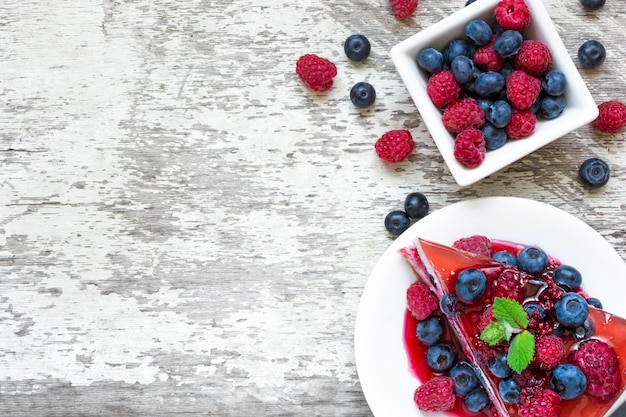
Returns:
point(511, 322)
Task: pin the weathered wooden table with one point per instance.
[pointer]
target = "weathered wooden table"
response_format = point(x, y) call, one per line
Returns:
point(186, 230)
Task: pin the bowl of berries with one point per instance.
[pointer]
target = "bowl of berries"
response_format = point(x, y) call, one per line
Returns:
point(493, 83)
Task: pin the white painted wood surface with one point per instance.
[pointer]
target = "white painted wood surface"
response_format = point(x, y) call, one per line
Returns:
point(186, 230)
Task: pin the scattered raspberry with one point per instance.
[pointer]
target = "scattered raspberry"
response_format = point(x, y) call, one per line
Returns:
point(316, 72)
point(510, 285)
point(463, 114)
point(522, 124)
point(599, 363)
point(522, 89)
point(534, 57)
point(469, 148)
point(549, 351)
point(436, 394)
point(486, 57)
point(512, 14)
point(612, 117)
point(443, 89)
point(544, 403)
point(403, 9)
point(421, 301)
point(395, 145)
point(480, 245)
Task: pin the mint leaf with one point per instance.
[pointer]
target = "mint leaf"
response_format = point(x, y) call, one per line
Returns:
point(510, 311)
point(494, 333)
point(521, 351)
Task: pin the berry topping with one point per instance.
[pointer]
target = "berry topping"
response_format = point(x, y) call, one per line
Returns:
point(498, 366)
point(443, 89)
point(541, 403)
point(571, 310)
point(403, 9)
point(505, 257)
point(522, 124)
point(440, 358)
point(599, 363)
point(532, 260)
point(594, 173)
point(480, 245)
point(395, 145)
point(469, 148)
point(531, 381)
point(470, 285)
point(568, 381)
point(429, 331)
point(465, 379)
point(549, 351)
point(509, 285)
point(594, 302)
point(416, 205)
point(463, 114)
point(567, 277)
point(449, 304)
point(534, 57)
point(316, 72)
point(420, 300)
point(512, 14)
point(362, 95)
point(435, 395)
point(357, 48)
point(522, 89)
point(591, 54)
point(477, 400)
point(509, 391)
point(396, 222)
point(611, 117)
point(430, 59)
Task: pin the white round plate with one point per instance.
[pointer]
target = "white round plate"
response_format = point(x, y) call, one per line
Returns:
point(381, 360)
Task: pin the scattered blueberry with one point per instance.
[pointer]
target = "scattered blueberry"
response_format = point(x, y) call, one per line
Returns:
point(594, 173)
point(416, 205)
point(489, 84)
point(508, 44)
point(568, 381)
point(449, 304)
point(462, 68)
point(477, 400)
point(567, 277)
point(478, 31)
point(357, 48)
point(554, 83)
point(551, 107)
point(430, 59)
point(494, 138)
point(498, 366)
point(535, 310)
point(465, 379)
point(592, 4)
point(470, 285)
point(429, 331)
point(362, 95)
point(532, 260)
point(505, 257)
point(509, 391)
point(499, 114)
point(440, 358)
point(571, 310)
point(458, 47)
point(591, 54)
point(594, 302)
point(397, 222)
point(584, 331)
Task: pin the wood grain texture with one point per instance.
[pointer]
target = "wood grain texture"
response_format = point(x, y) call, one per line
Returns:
point(186, 230)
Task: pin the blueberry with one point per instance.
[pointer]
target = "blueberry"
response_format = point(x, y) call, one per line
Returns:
point(449, 304)
point(484, 103)
point(532, 260)
point(468, 2)
point(430, 59)
point(498, 366)
point(507, 69)
point(362, 95)
point(551, 107)
point(416, 205)
point(477, 400)
point(591, 54)
point(478, 31)
point(458, 47)
point(592, 4)
point(571, 310)
point(568, 381)
point(499, 114)
point(535, 310)
point(465, 379)
point(440, 358)
point(508, 44)
point(554, 83)
point(489, 84)
point(470, 285)
point(594, 173)
point(594, 302)
point(559, 330)
point(357, 48)
point(429, 331)
point(567, 277)
point(584, 331)
point(505, 257)
point(462, 68)
point(509, 391)
point(494, 138)
point(397, 222)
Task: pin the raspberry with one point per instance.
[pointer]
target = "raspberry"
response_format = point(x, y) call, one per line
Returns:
point(486, 318)
point(509, 285)
point(534, 57)
point(549, 351)
point(436, 394)
point(403, 9)
point(395, 145)
point(463, 114)
point(512, 14)
point(522, 124)
point(316, 72)
point(443, 89)
point(469, 148)
point(480, 245)
point(522, 89)
point(544, 403)
point(600, 365)
point(421, 301)
point(531, 381)
point(612, 117)
point(486, 57)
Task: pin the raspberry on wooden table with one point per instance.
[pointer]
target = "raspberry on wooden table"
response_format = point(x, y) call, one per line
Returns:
point(316, 72)
point(611, 117)
point(534, 57)
point(403, 9)
point(436, 394)
point(469, 148)
point(395, 145)
point(443, 89)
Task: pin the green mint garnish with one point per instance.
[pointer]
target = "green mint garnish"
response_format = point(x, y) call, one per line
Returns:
point(511, 321)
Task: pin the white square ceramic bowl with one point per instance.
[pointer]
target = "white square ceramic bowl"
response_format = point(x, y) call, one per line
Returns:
point(580, 106)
